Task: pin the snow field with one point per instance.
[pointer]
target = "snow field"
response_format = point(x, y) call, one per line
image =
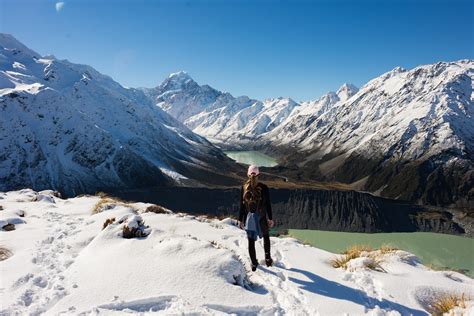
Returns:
point(64, 263)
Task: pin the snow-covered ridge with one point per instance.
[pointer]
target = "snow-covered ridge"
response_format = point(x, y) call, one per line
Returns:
point(407, 114)
point(223, 117)
point(425, 110)
point(69, 127)
point(61, 262)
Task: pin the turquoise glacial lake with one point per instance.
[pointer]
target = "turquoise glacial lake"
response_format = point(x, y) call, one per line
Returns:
point(439, 250)
point(252, 158)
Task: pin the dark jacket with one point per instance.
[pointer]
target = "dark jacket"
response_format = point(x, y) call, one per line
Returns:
point(264, 207)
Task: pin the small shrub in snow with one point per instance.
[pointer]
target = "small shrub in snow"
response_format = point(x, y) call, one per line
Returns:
point(1, 208)
point(446, 303)
point(156, 209)
point(134, 227)
point(107, 222)
point(5, 253)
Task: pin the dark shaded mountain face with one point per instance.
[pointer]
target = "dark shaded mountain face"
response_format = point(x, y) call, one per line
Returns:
point(66, 126)
point(348, 211)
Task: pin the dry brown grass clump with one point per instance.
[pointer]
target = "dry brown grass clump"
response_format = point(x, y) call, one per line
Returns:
point(103, 205)
point(107, 203)
point(102, 195)
point(5, 253)
point(373, 262)
point(386, 249)
point(1, 208)
point(157, 209)
point(350, 253)
point(107, 222)
point(356, 250)
point(446, 303)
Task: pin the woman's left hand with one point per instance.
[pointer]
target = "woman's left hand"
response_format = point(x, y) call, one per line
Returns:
point(270, 223)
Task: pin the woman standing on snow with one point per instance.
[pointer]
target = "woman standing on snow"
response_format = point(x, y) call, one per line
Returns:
point(256, 214)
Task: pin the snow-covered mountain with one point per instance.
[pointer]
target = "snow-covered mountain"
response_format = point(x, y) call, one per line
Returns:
point(69, 127)
point(407, 134)
point(60, 260)
point(218, 115)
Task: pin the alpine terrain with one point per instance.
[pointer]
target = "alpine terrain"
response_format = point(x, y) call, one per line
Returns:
point(68, 127)
point(408, 134)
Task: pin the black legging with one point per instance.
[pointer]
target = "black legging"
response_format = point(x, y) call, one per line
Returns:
point(266, 247)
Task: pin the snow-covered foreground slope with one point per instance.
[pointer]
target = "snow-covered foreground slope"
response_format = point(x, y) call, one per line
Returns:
point(67, 126)
point(64, 263)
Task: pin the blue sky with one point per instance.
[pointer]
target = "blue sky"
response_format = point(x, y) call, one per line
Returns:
point(299, 49)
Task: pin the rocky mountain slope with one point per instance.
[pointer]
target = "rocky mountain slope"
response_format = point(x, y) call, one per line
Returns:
point(328, 210)
point(67, 126)
point(406, 135)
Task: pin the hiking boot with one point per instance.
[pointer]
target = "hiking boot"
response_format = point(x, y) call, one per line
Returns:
point(254, 266)
point(268, 260)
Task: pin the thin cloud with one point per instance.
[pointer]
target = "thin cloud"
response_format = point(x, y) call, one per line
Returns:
point(59, 6)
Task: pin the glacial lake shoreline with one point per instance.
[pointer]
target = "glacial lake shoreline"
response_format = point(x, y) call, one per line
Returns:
point(441, 251)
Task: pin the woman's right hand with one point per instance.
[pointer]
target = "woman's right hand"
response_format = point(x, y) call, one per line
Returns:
point(241, 225)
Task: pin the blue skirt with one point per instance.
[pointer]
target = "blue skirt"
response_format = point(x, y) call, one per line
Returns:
point(252, 226)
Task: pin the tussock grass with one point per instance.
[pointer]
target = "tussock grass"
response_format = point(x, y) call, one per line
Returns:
point(102, 195)
point(107, 222)
point(445, 303)
point(106, 203)
point(157, 209)
point(374, 259)
point(386, 249)
point(375, 263)
point(356, 250)
point(5, 253)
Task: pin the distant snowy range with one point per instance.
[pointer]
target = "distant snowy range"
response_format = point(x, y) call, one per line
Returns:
point(407, 135)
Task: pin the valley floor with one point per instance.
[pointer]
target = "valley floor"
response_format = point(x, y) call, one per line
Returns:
point(62, 262)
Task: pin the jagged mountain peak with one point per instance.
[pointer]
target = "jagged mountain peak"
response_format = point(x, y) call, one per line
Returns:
point(346, 91)
point(279, 100)
point(180, 75)
point(180, 80)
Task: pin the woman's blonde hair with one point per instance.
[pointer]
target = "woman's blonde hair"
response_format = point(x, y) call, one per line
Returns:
point(252, 192)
